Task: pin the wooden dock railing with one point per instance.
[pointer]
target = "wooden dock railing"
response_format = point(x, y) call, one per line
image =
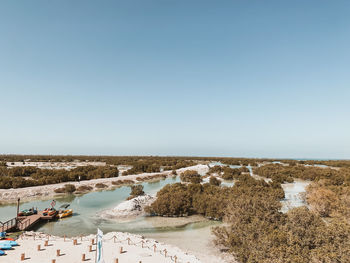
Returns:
point(24, 225)
point(12, 223)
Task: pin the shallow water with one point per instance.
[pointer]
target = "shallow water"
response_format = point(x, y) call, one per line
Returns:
point(86, 207)
point(293, 194)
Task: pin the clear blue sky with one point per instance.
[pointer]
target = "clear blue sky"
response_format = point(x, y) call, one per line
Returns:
point(181, 77)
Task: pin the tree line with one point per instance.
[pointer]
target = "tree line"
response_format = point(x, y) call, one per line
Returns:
point(18, 177)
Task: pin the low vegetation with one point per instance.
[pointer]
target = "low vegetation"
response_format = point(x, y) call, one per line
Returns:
point(84, 188)
point(68, 188)
point(228, 173)
point(17, 177)
point(255, 230)
point(123, 182)
point(190, 176)
point(136, 190)
point(151, 177)
point(101, 185)
point(214, 181)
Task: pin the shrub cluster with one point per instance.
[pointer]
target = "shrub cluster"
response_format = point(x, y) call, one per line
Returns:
point(156, 165)
point(151, 177)
point(191, 176)
point(123, 182)
point(207, 199)
point(30, 176)
point(136, 190)
point(101, 185)
point(84, 188)
point(68, 188)
point(282, 173)
point(228, 173)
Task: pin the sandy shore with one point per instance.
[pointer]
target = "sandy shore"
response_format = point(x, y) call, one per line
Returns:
point(47, 191)
point(135, 249)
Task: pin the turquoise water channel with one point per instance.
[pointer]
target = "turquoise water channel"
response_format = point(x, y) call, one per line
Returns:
point(86, 208)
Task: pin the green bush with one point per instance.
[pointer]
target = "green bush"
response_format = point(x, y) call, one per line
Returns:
point(214, 181)
point(191, 176)
point(101, 185)
point(136, 190)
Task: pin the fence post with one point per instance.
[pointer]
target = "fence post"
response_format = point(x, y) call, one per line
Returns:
point(22, 256)
point(58, 252)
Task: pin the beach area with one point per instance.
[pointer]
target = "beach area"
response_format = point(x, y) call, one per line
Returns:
point(117, 247)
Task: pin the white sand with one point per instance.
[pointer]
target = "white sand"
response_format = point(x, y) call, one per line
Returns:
point(132, 253)
point(129, 208)
point(54, 165)
point(47, 191)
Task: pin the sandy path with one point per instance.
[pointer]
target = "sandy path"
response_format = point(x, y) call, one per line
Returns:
point(47, 191)
point(135, 250)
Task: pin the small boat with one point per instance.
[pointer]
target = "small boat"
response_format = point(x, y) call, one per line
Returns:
point(50, 212)
point(5, 246)
point(28, 212)
point(9, 242)
point(2, 253)
point(7, 238)
point(64, 211)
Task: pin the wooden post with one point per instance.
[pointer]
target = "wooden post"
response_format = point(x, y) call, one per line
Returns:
point(128, 241)
point(46, 243)
point(90, 248)
point(142, 243)
point(121, 250)
point(19, 199)
point(165, 252)
point(23, 256)
point(39, 248)
point(53, 261)
point(154, 248)
point(58, 252)
point(116, 260)
point(83, 257)
point(92, 241)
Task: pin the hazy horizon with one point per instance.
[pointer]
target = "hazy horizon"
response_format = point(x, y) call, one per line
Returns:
point(266, 79)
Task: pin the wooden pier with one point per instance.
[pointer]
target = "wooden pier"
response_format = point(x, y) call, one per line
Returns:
point(24, 223)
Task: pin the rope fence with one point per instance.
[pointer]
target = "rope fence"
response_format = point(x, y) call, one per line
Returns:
point(150, 245)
